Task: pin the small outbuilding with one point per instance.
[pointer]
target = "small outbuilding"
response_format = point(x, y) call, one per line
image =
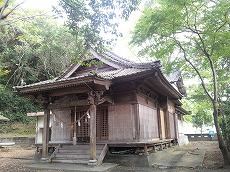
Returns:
point(4, 119)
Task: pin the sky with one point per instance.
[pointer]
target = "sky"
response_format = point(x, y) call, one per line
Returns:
point(38, 4)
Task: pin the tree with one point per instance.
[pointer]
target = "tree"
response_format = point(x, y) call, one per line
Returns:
point(190, 34)
point(202, 118)
point(95, 22)
point(225, 117)
point(5, 10)
point(35, 50)
point(4, 13)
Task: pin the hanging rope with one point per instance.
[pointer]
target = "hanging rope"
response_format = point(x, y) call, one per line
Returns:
point(72, 123)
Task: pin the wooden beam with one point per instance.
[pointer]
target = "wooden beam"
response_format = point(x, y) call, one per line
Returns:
point(75, 127)
point(92, 126)
point(105, 83)
point(62, 92)
point(159, 121)
point(45, 133)
point(63, 104)
point(136, 121)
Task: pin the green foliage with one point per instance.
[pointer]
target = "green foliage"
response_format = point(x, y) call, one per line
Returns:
point(95, 22)
point(6, 9)
point(201, 108)
point(177, 32)
point(35, 50)
point(193, 36)
point(202, 118)
point(18, 128)
point(14, 107)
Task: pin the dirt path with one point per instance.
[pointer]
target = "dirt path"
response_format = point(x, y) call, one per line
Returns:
point(213, 160)
point(213, 157)
point(15, 160)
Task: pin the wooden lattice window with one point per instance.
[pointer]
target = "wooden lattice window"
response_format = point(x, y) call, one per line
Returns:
point(83, 127)
point(102, 124)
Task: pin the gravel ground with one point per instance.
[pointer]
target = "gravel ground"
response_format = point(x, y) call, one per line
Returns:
point(213, 156)
point(14, 159)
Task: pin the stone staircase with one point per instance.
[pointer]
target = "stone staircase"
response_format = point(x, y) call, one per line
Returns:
point(78, 154)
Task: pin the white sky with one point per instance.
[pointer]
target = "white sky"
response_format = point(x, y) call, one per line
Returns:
point(45, 5)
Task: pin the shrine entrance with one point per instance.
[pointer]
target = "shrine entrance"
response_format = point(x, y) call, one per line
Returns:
point(82, 125)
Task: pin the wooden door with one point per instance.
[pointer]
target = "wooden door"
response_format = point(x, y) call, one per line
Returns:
point(102, 123)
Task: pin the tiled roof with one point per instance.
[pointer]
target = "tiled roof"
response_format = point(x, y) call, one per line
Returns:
point(122, 67)
point(120, 72)
point(104, 75)
point(51, 81)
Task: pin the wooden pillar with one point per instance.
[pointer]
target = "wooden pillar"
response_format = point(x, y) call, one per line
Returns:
point(159, 121)
point(167, 126)
point(93, 132)
point(92, 128)
point(45, 133)
point(75, 127)
point(136, 121)
point(146, 150)
point(176, 126)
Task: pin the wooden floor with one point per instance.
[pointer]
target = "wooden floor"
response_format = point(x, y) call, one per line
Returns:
point(112, 143)
point(145, 144)
point(136, 143)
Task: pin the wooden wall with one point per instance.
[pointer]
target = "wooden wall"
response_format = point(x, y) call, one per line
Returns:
point(60, 125)
point(162, 116)
point(121, 122)
point(172, 120)
point(172, 125)
point(148, 122)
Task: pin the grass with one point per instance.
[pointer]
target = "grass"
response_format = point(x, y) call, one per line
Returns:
point(17, 129)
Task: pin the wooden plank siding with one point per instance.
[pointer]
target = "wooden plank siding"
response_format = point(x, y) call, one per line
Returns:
point(162, 116)
point(148, 122)
point(172, 125)
point(121, 122)
point(171, 109)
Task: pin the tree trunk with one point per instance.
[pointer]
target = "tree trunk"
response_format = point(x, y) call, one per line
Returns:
point(201, 130)
point(222, 146)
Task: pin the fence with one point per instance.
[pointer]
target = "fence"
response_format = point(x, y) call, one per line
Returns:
point(199, 137)
point(19, 141)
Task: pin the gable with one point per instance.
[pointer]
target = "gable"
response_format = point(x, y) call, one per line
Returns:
point(90, 67)
point(106, 62)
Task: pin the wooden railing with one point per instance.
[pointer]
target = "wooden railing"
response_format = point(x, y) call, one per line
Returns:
point(55, 151)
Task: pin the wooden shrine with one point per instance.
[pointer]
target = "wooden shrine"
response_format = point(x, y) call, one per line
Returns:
point(114, 102)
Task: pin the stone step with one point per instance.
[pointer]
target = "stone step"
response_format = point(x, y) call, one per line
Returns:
point(68, 156)
point(73, 147)
point(73, 161)
point(64, 151)
point(79, 154)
